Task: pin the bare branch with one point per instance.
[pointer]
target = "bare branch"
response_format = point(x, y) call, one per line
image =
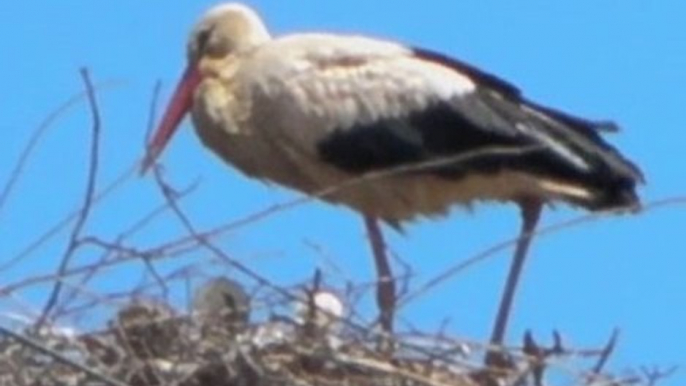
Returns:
point(606, 353)
point(87, 200)
point(38, 133)
point(655, 374)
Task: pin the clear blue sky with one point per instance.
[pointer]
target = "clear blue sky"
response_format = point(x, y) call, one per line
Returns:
point(624, 60)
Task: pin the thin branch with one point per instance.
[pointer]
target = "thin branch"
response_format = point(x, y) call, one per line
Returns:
point(111, 248)
point(127, 256)
point(38, 133)
point(656, 374)
point(463, 265)
point(605, 354)
point(171, 199)
point(140, 224)
point(60, 225)
point(187, 244)
point(87, 201)
point(152, 111)
point(168, 194)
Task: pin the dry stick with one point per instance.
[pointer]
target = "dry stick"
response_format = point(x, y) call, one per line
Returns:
point(557, 227)
point(87, 201)
point(200, 239)
point(182, 246)
point(136, 227)
point(140, 224)
point(99, 298)
point(60, 225)
point(113, 298)
point(148, 262)
point(167, 193)
point(37, 134)
point(407, 272)
point(152, 115)
point(116, 247)
point(327, 259)
point(152, 111)
point(605, 354)
point(164, 252)
point(503, 245)
point(26, 341)
point(197, 238)
point(158, 277)
point(656, 374)
point(128, 255)
point(110, 248)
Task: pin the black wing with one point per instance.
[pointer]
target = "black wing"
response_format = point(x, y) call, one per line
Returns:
point(553, 144)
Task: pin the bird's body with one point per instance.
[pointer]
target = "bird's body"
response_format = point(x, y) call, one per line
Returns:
point(314, 111)
point(318, 111)
point(300, 97)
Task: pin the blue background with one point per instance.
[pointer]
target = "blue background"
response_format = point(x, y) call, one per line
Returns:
point(600, 59)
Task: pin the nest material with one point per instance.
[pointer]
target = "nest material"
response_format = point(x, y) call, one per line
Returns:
point(147, 345)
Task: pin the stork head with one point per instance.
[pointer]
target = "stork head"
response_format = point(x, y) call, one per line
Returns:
point(225, 31)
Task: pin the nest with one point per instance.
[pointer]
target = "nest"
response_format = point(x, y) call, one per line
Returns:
point(148, 344)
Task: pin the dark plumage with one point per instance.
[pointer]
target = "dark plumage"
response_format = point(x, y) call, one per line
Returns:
point(560, 146)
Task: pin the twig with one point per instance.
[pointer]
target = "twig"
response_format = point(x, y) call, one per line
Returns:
point(128, 255)
point(171, 199)
point(116, 247)
point(112, 298)
point(605, 353)
point(60, 358)
point(168, 194)
point(61, 224)
point(152, 112)
point(187, 244)
point(501, 246)
point(327, 259)
point(656, 374)
point(87, 201)
point(38, 133)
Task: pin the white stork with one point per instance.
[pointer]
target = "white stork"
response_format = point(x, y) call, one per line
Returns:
point(311, 111)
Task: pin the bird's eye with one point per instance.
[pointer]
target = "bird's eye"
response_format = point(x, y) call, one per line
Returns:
point(203, 38)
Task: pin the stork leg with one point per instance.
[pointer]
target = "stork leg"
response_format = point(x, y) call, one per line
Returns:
point(385, 291)
point(531, 213)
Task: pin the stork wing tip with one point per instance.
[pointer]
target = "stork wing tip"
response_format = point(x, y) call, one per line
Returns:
point(607, 126)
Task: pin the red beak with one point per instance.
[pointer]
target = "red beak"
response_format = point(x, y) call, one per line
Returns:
point(180, 105)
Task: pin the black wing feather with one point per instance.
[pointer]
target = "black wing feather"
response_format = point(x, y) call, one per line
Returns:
point(492, 116)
